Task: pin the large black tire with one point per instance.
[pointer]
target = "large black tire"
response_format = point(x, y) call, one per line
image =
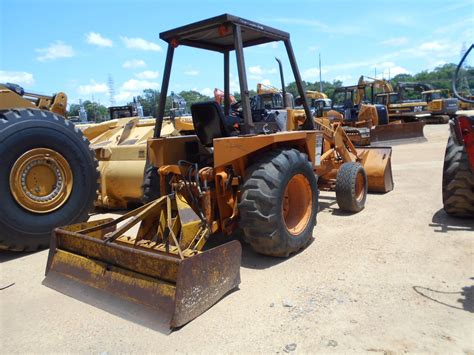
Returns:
point(25, 129)
point(458, 182)
point(262, 197)
point(350, 196)
point(151, 183)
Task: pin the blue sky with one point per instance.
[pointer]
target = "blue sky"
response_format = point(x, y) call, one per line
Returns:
point(74, 46)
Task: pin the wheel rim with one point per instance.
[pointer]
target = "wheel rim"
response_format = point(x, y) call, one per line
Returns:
point(297, 204)
point(41, 180)
point(360, 187)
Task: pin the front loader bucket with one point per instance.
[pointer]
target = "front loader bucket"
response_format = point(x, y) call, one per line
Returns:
point(395, 131)
point(156, 284)
point(377, 162)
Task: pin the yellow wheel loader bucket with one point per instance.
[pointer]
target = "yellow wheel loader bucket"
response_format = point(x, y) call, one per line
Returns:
point(394, 131)
point(159, 278)
point(377, 162)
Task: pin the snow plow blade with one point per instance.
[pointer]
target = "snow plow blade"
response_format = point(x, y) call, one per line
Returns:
point(394, 131)
point(377, 162)
point(158, 278)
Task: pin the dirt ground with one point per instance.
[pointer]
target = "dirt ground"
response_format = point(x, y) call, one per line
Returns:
point(396, 277)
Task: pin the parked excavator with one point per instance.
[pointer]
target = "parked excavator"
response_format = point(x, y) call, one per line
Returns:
point(256, 177)
point(441, 108)
point(399, 109)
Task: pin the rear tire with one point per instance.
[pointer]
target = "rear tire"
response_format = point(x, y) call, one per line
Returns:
point(151, 183)
point(351, 187)
point(458, 182)
point(26, 130)
point(273, 222)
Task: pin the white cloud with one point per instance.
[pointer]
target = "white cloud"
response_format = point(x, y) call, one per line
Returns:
point(266, 82)
point(313, 48)
point(56, 50)
point(207, 92)
point(124, 97)
point(140, 43)
point(396, 41)
point(317, 25)
point(134, 85)
point(191, 72)
point(257, 72)
point(234, 83)
point(17, 77)
point(98, 40)
point(313, 73)
point(346, 79)
point(93, 88)
point(457, 27)
point(433, 46)
point(270, 44)
point(134, 63)
point(147, 74)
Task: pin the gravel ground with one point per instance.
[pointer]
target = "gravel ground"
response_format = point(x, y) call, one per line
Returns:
point(396, 277)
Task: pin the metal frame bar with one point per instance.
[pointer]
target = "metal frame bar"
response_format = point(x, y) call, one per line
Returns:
point(164, 91)
point(226, 83)
point(244, 92)
point(309, 122)
point(282, 80)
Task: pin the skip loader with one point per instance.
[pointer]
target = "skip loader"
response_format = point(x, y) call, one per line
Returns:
point(222, 179)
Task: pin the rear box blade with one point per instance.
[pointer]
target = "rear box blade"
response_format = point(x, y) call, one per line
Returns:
point(154, 289)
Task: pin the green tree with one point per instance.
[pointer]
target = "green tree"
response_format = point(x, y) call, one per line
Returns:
point(328, 87)
point(95, 111)
point(73, 110)
point(192, 97)
point(149, 100)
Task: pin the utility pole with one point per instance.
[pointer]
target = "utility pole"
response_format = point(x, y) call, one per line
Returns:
point(375, 72)
point(320, 81)
point(111, 90)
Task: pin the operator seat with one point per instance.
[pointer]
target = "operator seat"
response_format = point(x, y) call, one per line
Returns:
point(209, 122)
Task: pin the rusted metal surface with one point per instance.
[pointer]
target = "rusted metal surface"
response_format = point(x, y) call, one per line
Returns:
point(377, 162)
point(161, 268)
point(397, 131)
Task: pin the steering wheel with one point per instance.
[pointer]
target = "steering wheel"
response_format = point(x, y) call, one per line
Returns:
point(237, 109)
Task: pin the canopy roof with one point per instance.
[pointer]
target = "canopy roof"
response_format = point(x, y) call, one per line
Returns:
point(217, 33)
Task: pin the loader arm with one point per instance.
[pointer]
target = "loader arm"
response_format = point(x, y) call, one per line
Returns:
point(338, 139)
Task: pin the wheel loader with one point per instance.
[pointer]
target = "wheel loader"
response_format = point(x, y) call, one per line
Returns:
point(48, 174)
point(154, 264)
point(56, 172)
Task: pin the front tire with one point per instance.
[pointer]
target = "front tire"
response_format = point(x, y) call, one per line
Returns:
point(48, 177)
point(279, 203)
point(351, 187)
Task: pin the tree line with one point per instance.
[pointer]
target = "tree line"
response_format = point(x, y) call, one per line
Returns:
point(439, 78)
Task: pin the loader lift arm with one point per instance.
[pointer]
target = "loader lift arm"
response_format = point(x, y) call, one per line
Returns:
point(13, 95)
